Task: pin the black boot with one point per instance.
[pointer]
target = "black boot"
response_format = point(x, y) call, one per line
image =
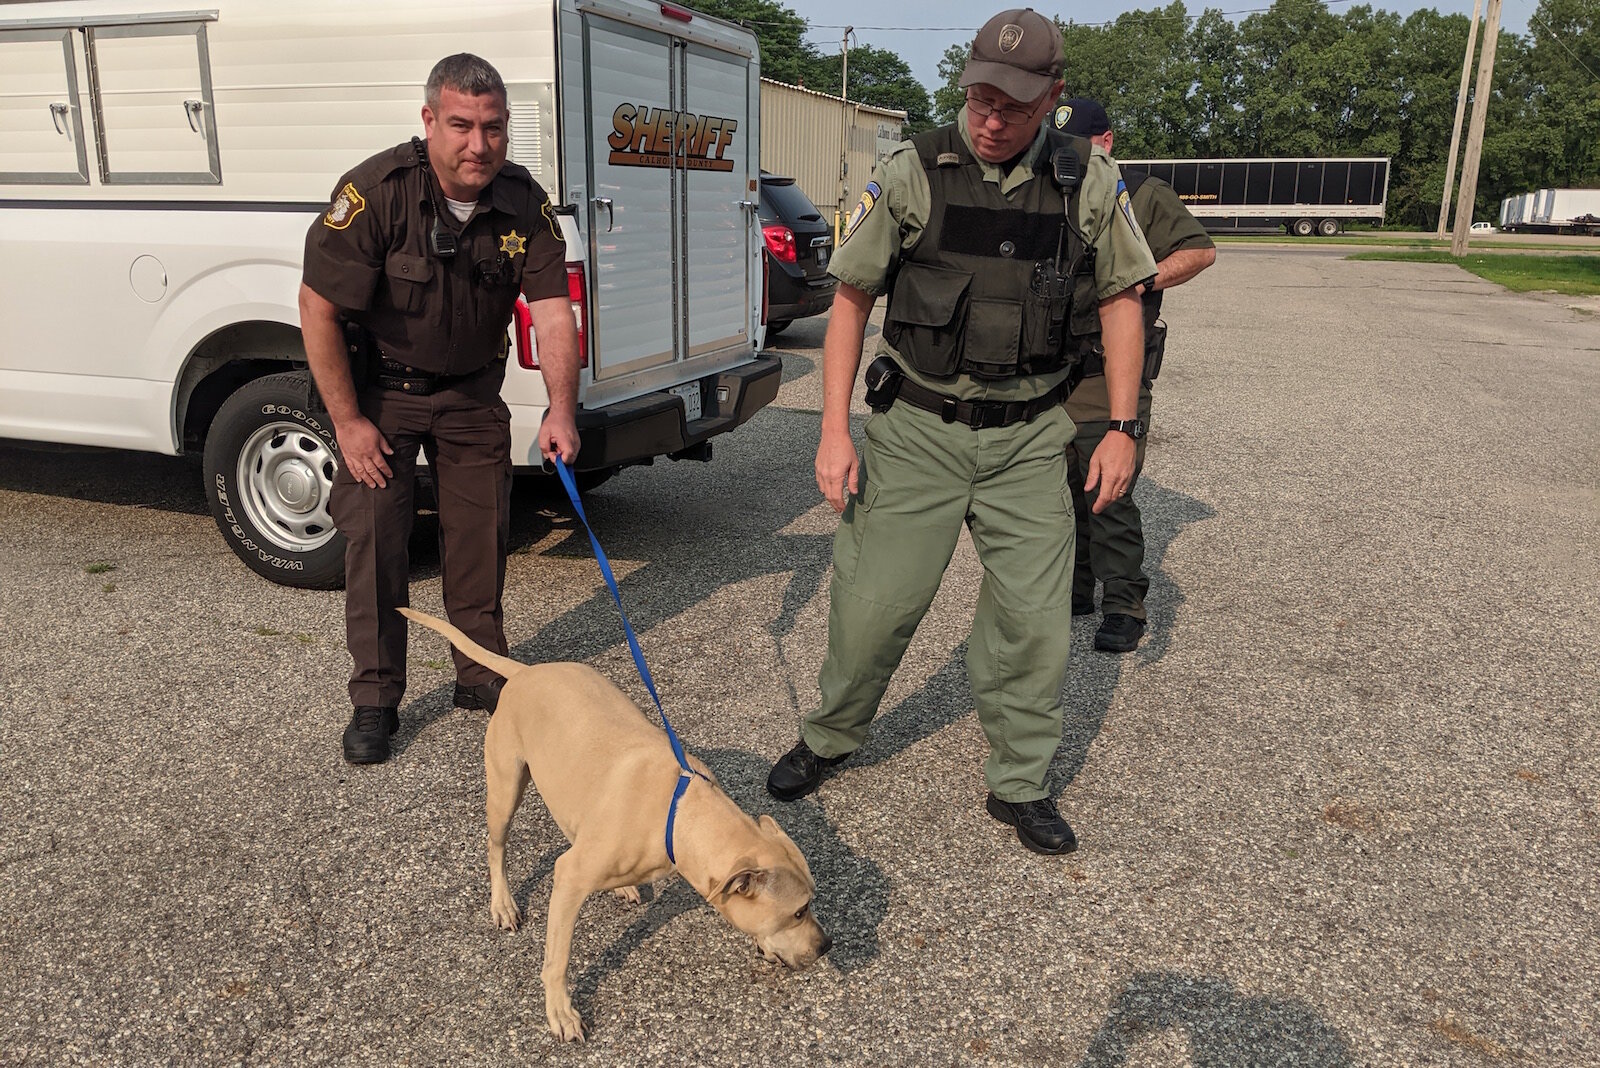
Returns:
point(366, 739)
point(798, 772)
point(484, 697)
point(1119, 633)
point(1039, 826)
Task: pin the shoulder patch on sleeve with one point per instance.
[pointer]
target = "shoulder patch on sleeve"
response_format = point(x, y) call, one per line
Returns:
point(1126, 204)
point(345, 207)
point(548, 210)
point(869, 198)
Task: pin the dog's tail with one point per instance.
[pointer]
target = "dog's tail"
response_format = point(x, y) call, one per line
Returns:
point(500, 665)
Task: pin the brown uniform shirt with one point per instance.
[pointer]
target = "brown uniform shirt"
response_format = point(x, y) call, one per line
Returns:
point(370, 256)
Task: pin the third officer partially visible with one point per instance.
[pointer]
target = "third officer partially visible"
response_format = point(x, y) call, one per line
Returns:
point(1111, 540)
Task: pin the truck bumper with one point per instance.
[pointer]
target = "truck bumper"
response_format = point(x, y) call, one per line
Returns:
point(642, 428)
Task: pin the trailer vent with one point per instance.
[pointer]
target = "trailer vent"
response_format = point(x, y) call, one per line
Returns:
point(525, 138)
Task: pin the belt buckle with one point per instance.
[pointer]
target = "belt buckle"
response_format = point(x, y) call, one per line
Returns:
point(987, 414)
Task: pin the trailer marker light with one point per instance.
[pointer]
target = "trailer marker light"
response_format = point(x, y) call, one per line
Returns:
point(672, 11)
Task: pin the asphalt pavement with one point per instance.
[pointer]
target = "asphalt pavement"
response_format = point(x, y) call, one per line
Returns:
point(1339, 809)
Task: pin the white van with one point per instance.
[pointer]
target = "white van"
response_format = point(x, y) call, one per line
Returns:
point(159, 169)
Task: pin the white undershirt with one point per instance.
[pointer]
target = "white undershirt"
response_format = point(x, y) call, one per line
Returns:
point(461, 209)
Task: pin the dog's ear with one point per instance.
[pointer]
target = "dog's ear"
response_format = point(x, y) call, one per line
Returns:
point(746, 881)
point(768, 824)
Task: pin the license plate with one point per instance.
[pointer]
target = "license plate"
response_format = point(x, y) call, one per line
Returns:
point(690, 393)
point(822, 257)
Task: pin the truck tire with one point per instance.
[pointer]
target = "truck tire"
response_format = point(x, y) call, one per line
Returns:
point(1303, 227)
point(1328, 227)
point(269, 466)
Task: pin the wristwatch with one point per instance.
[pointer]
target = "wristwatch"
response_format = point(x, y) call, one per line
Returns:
point(1134, 428)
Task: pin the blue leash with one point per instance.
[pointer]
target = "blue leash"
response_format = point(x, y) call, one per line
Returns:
point(638, 657)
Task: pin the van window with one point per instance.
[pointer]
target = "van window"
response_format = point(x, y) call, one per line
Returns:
point(151, 86)
point(41, 116)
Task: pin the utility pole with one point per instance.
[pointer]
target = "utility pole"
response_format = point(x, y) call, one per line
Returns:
point(1461, 111)
point(844, 133)
point(1480, 112)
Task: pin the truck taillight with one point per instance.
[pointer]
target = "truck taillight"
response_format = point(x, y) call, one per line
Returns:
point(578, 294)
point(780, 240)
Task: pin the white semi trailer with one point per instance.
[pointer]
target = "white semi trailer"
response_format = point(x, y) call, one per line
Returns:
point(1304, 195)
point(1552, 211)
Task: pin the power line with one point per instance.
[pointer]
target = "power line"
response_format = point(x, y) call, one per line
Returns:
point(1557, 39)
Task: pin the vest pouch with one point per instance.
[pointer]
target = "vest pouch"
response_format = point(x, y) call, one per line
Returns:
point(994, 329)
point(927, 317)
point(1044, 316)
point(1085, 306)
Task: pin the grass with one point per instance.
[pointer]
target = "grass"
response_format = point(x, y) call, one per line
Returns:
point(1518, 272)
point(1398, 240)
point(100, 569)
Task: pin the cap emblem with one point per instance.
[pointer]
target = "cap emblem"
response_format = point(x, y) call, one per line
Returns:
point(1063, 116)
point(1010, 37)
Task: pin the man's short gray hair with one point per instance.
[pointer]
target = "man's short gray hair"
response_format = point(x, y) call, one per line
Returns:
point(465, 73)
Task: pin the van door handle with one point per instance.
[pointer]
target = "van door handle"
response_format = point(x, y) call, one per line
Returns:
point(58, 112)
point(191, 110)
point(604, 202)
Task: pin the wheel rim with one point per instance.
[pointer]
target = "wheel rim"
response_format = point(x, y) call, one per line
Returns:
point(286, 481)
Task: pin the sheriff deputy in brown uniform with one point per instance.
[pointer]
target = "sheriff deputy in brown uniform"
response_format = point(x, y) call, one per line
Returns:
point(424, 248)
point(1111, 541)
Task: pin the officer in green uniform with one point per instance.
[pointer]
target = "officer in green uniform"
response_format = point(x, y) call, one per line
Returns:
point(1111, 541)
point(1006, 256)
point(423, 250)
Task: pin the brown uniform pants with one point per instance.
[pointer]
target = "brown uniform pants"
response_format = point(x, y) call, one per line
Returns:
point(466, 432)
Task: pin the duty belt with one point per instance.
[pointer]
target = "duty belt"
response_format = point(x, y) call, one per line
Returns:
point(979, 415)
point(405, 379)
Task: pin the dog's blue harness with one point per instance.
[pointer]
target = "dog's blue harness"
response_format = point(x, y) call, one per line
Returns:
point(685, 772)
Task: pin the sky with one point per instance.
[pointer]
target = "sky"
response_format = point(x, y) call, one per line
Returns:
point(921, 31)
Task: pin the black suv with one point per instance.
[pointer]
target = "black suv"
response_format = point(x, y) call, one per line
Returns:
point(799, 242)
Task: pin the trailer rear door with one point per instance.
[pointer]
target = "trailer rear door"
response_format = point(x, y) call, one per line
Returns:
point(659, 136)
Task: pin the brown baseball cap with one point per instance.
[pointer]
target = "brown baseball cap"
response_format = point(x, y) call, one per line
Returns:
point(1018, 52)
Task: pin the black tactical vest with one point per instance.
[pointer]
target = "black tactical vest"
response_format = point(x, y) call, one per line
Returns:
point(968, 298)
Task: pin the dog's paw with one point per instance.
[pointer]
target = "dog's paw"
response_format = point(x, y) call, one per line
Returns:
point(506, 914)
point(565, 1023)
point(630, 894)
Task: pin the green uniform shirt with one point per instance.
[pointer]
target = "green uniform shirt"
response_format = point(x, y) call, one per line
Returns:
point(890, 219)
point(1166, 223)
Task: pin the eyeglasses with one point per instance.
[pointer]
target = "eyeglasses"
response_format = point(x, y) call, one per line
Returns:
point(1008, 115)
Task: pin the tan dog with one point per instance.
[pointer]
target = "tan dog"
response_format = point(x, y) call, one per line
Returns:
point(607, 775)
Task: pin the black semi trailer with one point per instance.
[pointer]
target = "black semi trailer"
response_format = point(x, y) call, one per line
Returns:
point(1305, 196)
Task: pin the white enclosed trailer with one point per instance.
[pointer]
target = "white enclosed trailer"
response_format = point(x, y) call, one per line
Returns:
point(159, 169)
point(1552, 211)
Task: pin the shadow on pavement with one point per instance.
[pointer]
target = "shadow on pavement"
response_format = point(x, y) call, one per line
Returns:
point(1092, 677)
point(1225, 1029)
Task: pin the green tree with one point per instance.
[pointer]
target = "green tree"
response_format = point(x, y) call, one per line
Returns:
point(785, 55)
point(880, 78)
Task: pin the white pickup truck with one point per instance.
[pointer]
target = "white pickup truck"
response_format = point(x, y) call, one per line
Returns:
point(159, 169)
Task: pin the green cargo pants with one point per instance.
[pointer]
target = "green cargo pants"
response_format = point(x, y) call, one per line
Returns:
point(921, 478)
point(1110, 545)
